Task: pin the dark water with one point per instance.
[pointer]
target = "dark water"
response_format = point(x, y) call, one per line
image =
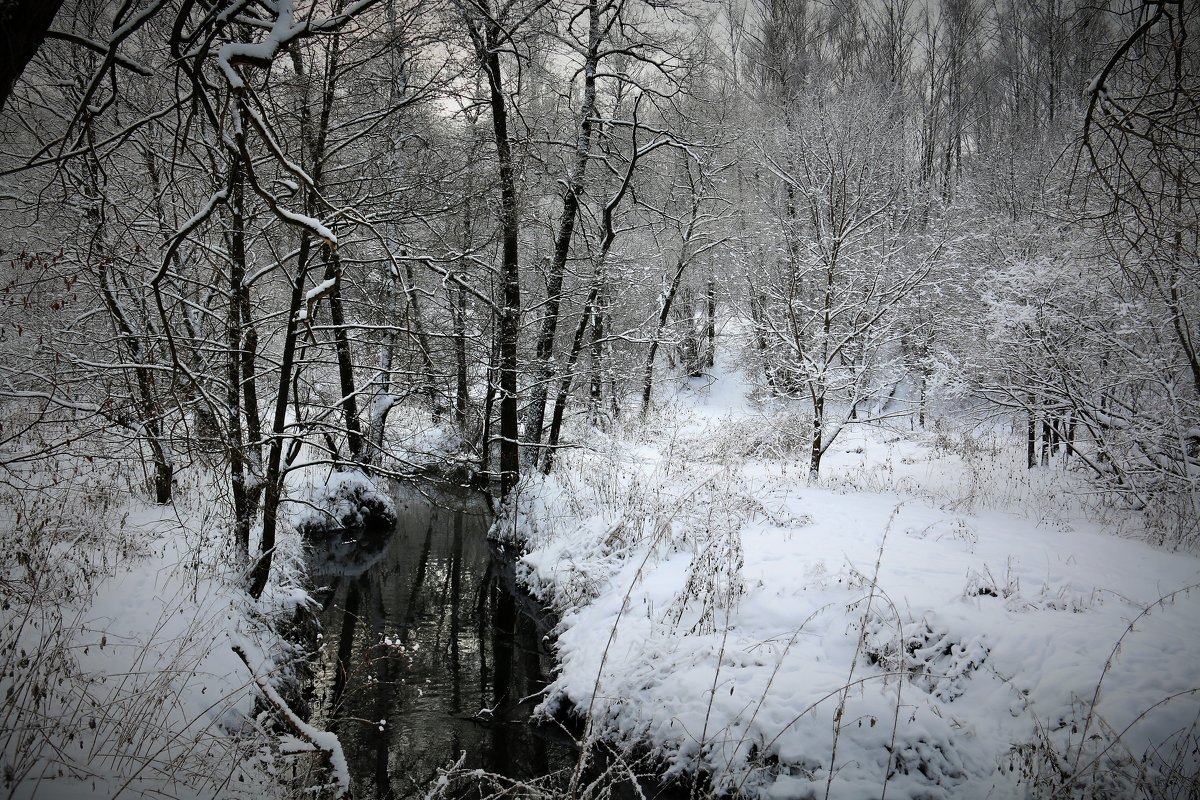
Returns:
point(428, 652)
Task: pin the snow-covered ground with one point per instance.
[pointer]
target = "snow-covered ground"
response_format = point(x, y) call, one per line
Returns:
point(928, 620)
point(119, 623)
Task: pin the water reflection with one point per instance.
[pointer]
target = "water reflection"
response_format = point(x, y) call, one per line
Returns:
point(428, 653)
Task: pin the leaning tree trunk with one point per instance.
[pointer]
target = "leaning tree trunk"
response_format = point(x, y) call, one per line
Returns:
point(24, 23)
point(288, 362)
point(273, 479)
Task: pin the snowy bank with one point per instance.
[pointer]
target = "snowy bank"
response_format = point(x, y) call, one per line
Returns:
point(120, 622)
point(793, 640)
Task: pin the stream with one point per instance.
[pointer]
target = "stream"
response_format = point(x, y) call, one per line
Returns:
point(429, 651)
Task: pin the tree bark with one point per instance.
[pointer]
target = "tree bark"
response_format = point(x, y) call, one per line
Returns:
point(337, 317)
point(274, 476)
point(710, 330)
point(664, 311)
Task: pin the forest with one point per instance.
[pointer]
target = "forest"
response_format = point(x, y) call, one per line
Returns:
point(650, 277)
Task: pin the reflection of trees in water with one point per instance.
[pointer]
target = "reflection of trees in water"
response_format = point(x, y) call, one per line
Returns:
point(429, 639)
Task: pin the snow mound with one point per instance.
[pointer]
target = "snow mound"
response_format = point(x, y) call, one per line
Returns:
point(332, 501)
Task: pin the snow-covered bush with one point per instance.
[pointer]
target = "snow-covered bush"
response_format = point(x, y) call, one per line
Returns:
point(324, 500)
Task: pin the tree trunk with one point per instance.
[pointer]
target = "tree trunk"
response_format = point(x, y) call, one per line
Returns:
point(668, 299)
point(273, 479)
point(383, 400)
point(710, 330)
point(922, 400)
point(572, 187)
point(488, 50)
point(458, 310)
point(417, 324)
point(760, 338)
point(1031, 437)
point(288, 363)
point(818, 434)
point(596, 353)
point(236, 242)
point(24, 23)
point(564, 389)
point(345, 362)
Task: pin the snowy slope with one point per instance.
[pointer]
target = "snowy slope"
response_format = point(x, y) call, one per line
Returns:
point(719, 607)
point(118, 627)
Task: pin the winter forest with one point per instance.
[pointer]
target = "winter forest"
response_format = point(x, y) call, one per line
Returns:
point(600, 399)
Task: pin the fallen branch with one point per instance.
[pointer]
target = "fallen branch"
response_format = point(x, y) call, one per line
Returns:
point(325, 741)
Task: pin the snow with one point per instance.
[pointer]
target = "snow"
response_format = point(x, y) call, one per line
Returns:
point(312, 223)
point(134, 662)
point(325, 741)
point(320, 290)
point(128, 612)
point(320, 497)
point(262, 53)
point(718, 606)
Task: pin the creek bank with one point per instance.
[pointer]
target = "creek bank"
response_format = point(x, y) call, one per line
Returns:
point(424, 653)
point(429, 649)
point(850, 636)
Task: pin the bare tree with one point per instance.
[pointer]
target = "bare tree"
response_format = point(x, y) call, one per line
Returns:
point(827, 304)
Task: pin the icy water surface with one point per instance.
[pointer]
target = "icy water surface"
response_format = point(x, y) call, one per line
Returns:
point(429, 652)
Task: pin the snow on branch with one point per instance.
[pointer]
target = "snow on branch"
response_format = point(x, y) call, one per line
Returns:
point(258, 54)
point(283, 31)
point(325, 741)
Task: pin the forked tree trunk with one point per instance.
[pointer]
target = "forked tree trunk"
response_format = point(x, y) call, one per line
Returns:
point(288, 365)
point(273, 479)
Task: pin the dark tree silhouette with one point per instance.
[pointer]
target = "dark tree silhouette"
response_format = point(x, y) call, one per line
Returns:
point(23, 26)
